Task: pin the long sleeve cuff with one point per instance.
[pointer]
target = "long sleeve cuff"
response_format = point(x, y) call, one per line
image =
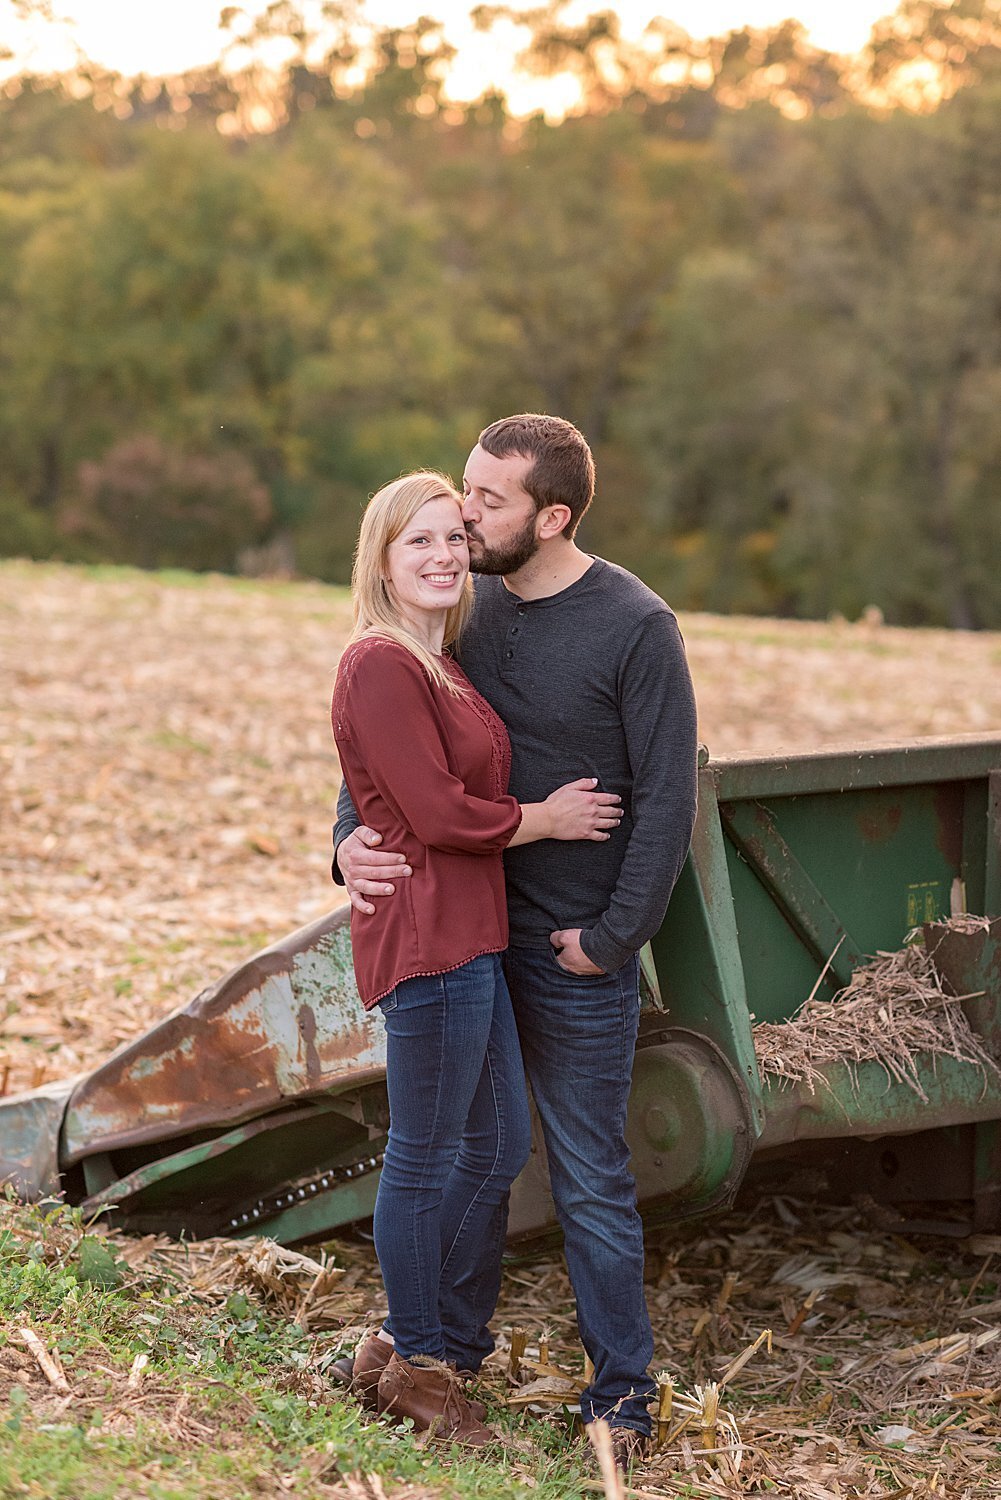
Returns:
point(604, 950)
point(335, 869)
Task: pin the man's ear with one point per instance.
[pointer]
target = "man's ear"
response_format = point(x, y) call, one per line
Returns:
point(551, 521)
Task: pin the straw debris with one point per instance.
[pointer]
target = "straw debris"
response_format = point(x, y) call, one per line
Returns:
point(899, 1334)
point(894, 1012)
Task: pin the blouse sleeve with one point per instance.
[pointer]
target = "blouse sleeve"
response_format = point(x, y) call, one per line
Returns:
point(387, 711)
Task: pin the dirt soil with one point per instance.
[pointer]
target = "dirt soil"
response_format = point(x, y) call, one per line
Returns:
point(167, 776)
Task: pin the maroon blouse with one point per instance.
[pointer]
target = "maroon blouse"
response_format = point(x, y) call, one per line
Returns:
point(429, 770)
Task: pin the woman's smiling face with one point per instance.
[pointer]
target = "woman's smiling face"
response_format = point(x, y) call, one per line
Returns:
point(427, 564)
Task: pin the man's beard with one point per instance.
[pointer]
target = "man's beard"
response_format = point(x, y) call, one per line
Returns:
point(508, 559)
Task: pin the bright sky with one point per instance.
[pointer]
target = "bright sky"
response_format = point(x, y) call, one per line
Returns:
point(167, 36)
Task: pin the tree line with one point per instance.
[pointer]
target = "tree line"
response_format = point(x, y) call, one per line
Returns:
point(233, 304)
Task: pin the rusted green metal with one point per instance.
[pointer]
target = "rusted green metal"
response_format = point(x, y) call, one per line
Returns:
point(992, 864)
point(698, 955)
point(261, 1106)
point(863, 1100)
point(969, 966)
point(690, 1127)
point(751, 829)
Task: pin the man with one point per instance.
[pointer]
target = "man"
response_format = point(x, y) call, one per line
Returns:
point(587, 669)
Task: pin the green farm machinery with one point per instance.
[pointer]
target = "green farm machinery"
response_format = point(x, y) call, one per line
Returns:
point(260, 1107)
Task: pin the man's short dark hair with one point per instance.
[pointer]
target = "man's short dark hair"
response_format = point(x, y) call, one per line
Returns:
point(562, 471)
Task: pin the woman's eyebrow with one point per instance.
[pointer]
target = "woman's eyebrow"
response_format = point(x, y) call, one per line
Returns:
point(426, 531)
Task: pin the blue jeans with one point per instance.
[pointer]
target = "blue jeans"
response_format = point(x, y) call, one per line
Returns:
point(578, 1037)
point(459, 1135)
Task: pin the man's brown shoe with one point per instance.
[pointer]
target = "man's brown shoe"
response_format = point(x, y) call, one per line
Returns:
point(361, 1373)
point(431, 1395)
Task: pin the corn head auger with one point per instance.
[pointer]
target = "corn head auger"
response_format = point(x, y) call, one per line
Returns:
point(260, 1107)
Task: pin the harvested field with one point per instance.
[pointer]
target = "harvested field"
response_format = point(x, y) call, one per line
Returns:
point(167, 787)
point(168, 777)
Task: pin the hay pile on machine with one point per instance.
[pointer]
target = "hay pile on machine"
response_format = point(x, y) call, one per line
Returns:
point(261, 1106)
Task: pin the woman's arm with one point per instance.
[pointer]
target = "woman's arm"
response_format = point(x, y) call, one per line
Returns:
point(387, 712)
point(574, 811)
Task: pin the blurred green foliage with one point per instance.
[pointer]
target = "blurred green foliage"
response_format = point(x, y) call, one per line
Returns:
point(768, 293)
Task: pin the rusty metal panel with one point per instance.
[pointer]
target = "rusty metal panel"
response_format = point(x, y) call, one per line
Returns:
point(30, 1125)
point(286, 1024)
point(969, 964)
point(268, 1086)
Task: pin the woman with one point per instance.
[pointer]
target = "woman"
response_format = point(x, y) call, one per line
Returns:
point(426, 760)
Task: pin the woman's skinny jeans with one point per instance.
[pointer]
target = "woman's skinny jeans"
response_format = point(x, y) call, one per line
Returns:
point(459, 1135)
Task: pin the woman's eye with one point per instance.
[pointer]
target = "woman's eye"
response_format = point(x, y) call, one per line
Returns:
point(458, 536)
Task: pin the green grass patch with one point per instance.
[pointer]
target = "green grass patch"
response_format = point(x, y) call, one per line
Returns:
point(232, 1400)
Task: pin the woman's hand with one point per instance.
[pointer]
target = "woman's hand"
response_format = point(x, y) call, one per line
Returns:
point(579, 811)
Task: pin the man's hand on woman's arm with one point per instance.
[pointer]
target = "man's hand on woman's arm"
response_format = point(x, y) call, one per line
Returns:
point(359, 865)
point(575, 811)
point(368, 870)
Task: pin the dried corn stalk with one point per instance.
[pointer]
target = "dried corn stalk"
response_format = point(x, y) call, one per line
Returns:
point(719, 1435)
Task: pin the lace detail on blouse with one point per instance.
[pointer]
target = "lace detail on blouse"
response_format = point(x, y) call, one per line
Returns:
point(500, 745)
point(500, 758)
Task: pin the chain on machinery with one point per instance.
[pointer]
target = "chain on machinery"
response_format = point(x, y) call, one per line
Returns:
point(333, 1177)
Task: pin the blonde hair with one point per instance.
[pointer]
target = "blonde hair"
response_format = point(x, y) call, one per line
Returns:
point(387, 513)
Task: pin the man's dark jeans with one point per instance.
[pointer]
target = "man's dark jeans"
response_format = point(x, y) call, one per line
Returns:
point(578, 1037)
point(459, 1135)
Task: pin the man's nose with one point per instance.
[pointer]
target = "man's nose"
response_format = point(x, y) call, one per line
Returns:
point(470, 510)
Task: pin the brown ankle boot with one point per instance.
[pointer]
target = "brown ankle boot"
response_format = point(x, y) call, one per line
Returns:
point(431, 1395)
point(467, 1377)
point(361, 1374)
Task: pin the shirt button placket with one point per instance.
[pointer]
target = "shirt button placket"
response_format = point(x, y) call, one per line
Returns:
point(514, 632)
